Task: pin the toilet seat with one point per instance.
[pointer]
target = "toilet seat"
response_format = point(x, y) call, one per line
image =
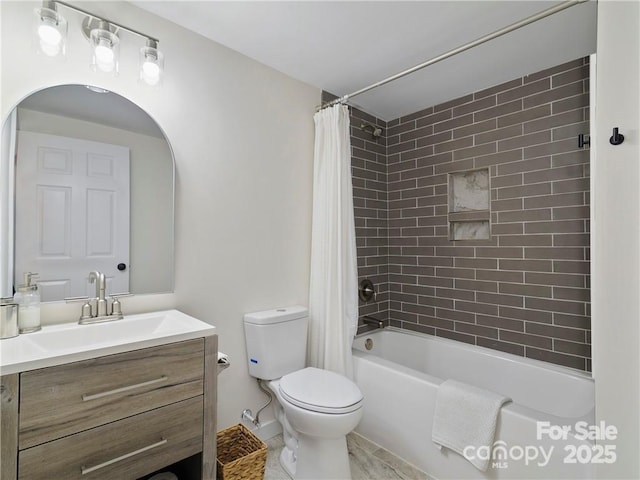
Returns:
point(320, 391)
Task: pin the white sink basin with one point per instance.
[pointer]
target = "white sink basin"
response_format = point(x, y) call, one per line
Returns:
point(70, 342)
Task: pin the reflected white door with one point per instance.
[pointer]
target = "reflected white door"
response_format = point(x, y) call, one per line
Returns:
point(72, 214)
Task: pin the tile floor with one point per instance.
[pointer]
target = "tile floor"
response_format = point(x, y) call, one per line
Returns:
point(368, 462)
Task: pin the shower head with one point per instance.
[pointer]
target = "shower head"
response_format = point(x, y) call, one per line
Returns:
point(375, 131)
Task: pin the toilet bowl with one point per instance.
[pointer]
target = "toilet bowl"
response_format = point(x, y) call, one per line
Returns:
point(320, 408)
point(316, 408)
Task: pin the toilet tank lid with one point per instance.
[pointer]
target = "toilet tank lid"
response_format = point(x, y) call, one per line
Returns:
point(276, 315)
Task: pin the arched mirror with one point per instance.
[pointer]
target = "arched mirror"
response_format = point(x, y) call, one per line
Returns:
point(86, 183)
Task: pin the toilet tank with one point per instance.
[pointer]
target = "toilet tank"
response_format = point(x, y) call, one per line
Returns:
point(276, 341)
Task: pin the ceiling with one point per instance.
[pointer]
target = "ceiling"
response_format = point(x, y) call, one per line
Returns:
point(342, 46)
point(104, 108)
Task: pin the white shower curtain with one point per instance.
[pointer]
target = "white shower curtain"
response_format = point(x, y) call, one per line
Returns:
point(333, 289)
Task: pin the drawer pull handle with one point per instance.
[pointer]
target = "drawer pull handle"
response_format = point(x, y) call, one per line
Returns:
point(86, 398)
point(86, 470)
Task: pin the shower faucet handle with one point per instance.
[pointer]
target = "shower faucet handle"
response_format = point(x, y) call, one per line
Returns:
point(366, 291)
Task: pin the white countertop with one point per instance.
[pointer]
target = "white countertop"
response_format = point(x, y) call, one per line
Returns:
point(70, 342)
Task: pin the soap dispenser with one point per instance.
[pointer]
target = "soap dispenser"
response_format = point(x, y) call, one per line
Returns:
point(28, 299)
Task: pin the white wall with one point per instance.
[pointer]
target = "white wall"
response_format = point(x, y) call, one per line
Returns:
point(242, 136)
point(616, 238)
point(151, 212)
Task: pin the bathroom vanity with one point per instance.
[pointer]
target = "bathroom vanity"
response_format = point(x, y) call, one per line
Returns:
point(100, 409)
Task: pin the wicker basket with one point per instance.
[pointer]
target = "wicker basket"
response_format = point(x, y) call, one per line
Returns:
point(241, 455)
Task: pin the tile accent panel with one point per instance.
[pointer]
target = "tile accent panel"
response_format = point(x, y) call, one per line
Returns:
point(526, 289)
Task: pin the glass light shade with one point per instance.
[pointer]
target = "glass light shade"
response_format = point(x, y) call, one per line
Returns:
point(151, 65)
point(50, 32)
point(106, 51)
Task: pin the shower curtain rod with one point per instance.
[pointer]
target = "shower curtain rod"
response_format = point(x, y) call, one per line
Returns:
point(455, 51)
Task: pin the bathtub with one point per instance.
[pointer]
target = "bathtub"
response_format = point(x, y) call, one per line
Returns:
point(399, 377)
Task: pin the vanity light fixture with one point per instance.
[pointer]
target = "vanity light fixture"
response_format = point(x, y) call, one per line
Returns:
point(105, 46)
point(104, 37)
point(51, 30)
point(151, 64)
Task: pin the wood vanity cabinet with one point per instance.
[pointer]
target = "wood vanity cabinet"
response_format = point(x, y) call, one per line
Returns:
point(117, 417)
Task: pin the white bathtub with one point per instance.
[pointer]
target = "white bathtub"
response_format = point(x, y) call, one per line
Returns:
point(399, 378)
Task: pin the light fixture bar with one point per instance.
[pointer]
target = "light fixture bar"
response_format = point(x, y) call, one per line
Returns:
point(92, 15)
point(103, 36)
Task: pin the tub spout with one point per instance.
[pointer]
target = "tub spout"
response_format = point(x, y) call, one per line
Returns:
point(373, 321)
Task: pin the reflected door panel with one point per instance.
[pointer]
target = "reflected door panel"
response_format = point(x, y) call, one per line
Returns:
point(72, 214)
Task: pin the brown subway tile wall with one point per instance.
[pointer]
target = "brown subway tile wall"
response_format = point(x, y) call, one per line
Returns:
point(526, 289)
point(370, 198)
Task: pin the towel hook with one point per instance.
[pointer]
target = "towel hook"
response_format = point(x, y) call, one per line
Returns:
point(616, 138)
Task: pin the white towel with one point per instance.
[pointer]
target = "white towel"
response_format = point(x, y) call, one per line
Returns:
point(466, 416)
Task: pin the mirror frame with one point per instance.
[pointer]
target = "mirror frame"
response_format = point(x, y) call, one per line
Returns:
point(7, 198)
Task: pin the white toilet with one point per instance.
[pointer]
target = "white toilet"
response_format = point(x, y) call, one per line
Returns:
point(317, 408)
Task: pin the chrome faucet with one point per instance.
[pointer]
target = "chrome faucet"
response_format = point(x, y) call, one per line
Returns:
point(101, 302)
point(101, 311)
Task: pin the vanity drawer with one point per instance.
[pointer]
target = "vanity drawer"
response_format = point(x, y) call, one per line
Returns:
point(63, 400)
point(126, 449)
